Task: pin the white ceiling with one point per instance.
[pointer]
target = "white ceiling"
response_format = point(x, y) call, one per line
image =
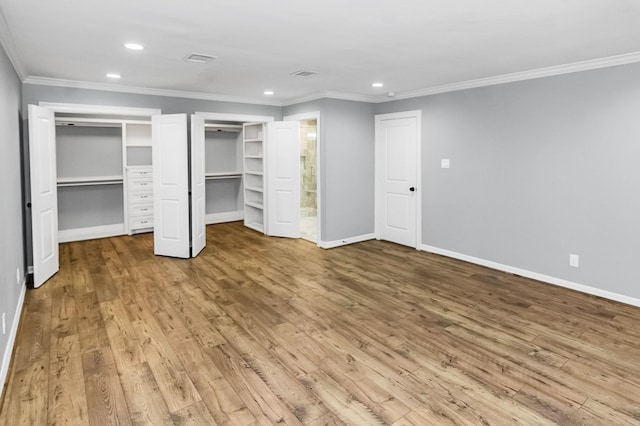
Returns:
point(407, 44)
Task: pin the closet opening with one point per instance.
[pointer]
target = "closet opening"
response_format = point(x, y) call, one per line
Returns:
point(223, 172)
point(308, 180)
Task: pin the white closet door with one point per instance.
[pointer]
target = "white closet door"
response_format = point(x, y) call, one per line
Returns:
point(198, 228)
point(44, 193)
point(283, 179)
point(170, 185)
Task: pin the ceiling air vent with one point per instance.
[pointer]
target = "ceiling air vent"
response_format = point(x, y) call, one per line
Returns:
point(199, 58)
point(305, 74)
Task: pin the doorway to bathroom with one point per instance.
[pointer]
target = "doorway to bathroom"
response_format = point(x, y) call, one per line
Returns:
point(309, 175)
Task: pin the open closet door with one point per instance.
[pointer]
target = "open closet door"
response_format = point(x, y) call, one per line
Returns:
point(198, 228)
point(44, 193)
point(170, 185)
point(283, 179)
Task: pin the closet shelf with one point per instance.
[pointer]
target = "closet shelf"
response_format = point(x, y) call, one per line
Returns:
point(223, 175)
point(257, 226)
point(90, 180)
point(254, 188)
point(254, 204)
point(253, 140)
point(254, 156)
point(254, 173)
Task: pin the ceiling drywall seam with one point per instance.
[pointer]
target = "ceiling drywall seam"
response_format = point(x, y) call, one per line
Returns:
point(9, 47)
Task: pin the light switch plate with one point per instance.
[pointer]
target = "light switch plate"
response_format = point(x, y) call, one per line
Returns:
point(574, 260)
point(445, 163)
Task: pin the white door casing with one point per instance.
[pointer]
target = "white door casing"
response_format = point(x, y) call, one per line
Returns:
point(397, 177)
point(314, 115)
point(170, 185)
point(198, 227)
point(283, 179)
point(44, 193)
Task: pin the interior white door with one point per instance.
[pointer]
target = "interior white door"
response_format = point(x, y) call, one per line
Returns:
point(198, 227)
point(170, 185)
point(283, 179)
point(396, 173)
point(44, 193)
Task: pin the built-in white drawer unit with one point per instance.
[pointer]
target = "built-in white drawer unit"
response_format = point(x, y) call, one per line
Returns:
point(140, 198)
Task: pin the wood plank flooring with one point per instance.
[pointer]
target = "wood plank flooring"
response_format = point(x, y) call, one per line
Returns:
point(264, 331)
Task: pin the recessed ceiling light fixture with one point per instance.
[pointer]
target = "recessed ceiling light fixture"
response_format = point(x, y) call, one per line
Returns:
point(113, 75)
point(377, 85)
point(134, 46)
point(268, 92)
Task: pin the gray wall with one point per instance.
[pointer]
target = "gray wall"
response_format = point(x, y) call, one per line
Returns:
point(539, 169)
point(347, 171)
point(11, 239)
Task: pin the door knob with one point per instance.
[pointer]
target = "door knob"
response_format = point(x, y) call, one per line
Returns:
point(412, 189)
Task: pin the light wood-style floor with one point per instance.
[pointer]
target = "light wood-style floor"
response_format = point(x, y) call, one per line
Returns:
point(267, 331)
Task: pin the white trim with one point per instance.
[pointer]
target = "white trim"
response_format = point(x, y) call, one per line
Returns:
point(212, 218)
point(244, 118)
point(591, 64)
point(535, 276)
point(345, 241)
point(417, 114)
point(45, 81)
point(611, 61)
point(99, 109)
point(91, 233)
point(8, 350)
point(333, 95)
point(6, 40)
point(314, 115)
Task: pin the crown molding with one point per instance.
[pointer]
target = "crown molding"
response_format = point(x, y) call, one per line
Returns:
point(45, 81)
point(610, 61)
point(6, 40)
point(592, 64)
point(331, 95)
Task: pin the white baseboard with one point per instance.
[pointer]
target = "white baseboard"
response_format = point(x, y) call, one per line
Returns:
point(8, 351)
point(212, 218)
point(345, 241)
point(536, 276)
point(91, 233)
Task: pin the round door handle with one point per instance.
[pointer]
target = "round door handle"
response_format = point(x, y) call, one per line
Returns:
point(412, 189)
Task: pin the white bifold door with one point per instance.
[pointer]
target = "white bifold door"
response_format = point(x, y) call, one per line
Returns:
point(171, 235)
point(178, 186)
point(198, 226)
point(44, 193)
point(283, 179)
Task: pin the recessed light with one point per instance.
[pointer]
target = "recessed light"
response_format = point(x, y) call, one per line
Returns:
point(377, 85)
point(268, 92)
point(134, 46)
point(113, 75)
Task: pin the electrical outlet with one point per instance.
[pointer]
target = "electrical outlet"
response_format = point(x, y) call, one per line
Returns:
point(445, 163)
point(4, 323)
point(574, 260)
point(18, 276)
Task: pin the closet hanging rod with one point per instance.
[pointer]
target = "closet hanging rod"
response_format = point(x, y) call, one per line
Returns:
point(236, 128)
